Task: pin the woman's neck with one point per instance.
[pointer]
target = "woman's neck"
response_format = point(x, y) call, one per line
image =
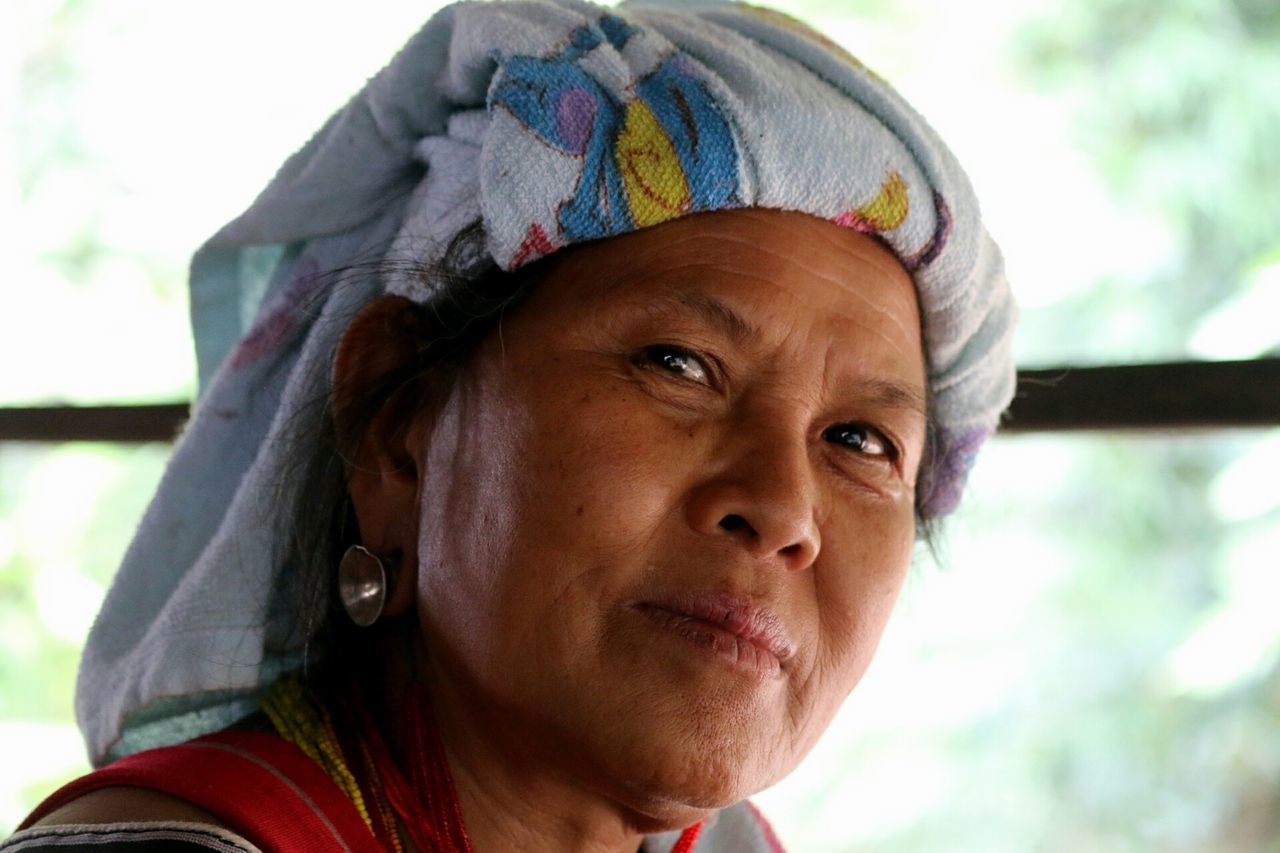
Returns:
point(512, 798)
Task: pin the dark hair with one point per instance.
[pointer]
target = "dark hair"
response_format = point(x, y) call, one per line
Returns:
point(470, 295)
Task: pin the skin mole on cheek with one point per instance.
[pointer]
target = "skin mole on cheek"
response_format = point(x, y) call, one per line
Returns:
point(580, 509)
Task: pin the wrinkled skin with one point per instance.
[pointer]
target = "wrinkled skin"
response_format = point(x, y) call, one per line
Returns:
point(615, 445)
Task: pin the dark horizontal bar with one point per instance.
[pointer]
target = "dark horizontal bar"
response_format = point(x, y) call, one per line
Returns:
point(135, 424)
point(1176, 395)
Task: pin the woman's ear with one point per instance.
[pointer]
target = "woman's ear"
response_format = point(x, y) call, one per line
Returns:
point(383, 432)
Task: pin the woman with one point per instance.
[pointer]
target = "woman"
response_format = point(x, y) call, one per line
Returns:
point(603, 363)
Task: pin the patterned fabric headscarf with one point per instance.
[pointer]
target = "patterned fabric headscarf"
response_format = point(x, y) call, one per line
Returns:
point(551, 122)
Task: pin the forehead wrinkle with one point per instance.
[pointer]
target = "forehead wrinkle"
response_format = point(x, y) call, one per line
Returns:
point(883, 268)
point(882, 262)
point(879, 391)
point(681, 291)
point(906, 330)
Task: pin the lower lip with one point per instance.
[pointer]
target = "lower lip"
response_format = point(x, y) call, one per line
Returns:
point(740, 653)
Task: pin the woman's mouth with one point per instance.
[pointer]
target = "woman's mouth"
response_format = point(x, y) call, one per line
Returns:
point(749, 638)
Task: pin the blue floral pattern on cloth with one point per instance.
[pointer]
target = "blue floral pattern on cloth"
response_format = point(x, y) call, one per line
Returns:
point(661, 149)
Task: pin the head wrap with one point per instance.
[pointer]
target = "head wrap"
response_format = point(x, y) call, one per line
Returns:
point(552, 122)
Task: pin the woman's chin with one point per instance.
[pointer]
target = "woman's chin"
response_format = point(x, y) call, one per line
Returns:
point(686, 789)
point(665, 804)
point(688, 760)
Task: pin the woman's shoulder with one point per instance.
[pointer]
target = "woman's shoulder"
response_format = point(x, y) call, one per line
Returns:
point(127, 803)
point(125, 817)
point(219, 790)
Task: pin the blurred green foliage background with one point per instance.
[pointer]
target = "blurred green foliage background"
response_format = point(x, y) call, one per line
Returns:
point(1096, 665)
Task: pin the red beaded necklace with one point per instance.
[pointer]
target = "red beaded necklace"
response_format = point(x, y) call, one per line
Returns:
point(427, 802)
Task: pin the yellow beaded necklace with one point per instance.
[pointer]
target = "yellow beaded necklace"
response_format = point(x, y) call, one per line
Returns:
point(300, 718)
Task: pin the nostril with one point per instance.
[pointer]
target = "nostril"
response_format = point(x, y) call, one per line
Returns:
point(733, 522)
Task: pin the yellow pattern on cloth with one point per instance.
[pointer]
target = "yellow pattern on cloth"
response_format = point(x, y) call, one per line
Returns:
point(885, 212)
point(306, 724)
point(888, 209)
point(656, 186)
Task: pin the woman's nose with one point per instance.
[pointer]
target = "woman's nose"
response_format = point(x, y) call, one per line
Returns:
point(763, 497)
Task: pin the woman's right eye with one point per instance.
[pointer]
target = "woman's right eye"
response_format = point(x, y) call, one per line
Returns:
point(676, 360)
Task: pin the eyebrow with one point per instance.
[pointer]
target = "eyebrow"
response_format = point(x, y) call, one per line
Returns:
point(882, 392)
point(718, 314)
point(893, 395)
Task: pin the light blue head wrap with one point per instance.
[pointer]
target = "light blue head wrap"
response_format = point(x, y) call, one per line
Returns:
point(551, 122)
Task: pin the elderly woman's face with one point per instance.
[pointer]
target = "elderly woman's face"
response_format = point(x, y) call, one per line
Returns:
point(668, 507)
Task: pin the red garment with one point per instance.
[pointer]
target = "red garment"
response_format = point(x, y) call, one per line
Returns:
point(259, 784)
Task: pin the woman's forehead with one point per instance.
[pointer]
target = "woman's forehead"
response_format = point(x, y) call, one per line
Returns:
point(754, 275)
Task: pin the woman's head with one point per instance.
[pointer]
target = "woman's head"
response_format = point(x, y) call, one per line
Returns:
point(599, 140)
point(716, 421)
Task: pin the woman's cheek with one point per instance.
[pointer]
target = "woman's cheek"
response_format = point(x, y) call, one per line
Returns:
point(857, 581)
point(615, 460)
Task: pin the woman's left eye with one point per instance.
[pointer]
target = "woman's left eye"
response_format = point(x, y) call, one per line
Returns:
point(862, 438)
point(678, 361)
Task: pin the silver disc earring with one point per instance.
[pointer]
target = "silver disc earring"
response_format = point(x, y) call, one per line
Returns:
point(363, 579)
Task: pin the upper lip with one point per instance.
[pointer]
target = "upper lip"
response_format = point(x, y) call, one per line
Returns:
point(732, 613)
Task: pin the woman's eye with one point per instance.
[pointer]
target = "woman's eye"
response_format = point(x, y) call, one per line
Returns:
point(861, 438)
point(680, 362)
